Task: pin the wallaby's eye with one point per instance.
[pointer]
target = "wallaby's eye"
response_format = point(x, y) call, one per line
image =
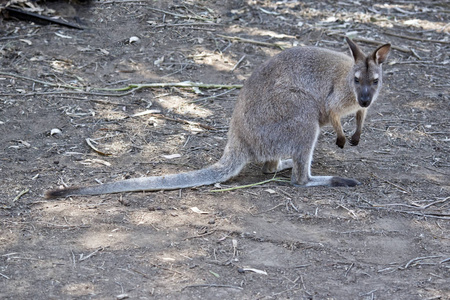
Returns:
point(375, 81)
point(356, 80)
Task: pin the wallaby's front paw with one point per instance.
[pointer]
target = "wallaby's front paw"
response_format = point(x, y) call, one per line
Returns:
point(340, 141)
point(354, 141)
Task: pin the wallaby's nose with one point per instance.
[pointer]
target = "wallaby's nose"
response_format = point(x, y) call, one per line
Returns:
point(365, 98)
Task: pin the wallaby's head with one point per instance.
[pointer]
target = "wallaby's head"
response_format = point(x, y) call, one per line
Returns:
point(367, 74)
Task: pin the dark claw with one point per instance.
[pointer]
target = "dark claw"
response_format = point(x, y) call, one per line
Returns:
point(340, 141)
point(354, 142)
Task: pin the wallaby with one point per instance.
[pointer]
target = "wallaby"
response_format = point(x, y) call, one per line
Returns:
point(277, 119)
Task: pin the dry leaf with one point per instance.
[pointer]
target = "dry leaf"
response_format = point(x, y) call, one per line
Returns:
point(159, 61)
point(89, 142)
point(55, 131)
point(104, 51)
point(147, 112)
point(63, 36)
point(255, 270)
point(28, 42)
point(171, 156)
point(134, 39)
point(198, 211)
point(96, 160)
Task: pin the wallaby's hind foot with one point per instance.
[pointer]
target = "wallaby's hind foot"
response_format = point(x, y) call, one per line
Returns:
point(274, 166)
point(332, 181)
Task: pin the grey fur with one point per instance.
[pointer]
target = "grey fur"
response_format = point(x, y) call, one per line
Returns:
point(277, 119)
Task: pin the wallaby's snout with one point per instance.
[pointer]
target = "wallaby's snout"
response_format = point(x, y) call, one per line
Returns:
point(366, 97)
point(365, 93)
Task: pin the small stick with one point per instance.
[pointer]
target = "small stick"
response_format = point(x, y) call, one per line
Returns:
point(433, 203)
point(238, 63)
point(133, 86)
point(419, 258)
point(393, 184)
point(21, 194)
point(187, 24)
point(213, 96)
point(445, 260)
point(270, 209)
point(213, 285)
point(249, 185)
point(415, 39)
point(185, 122)
point(178, 15)
point(89, 142)
point(82, 257)
point(200, 235)
point(3, 275)
point(239, 39)
point(348, 270)
point(369, 41)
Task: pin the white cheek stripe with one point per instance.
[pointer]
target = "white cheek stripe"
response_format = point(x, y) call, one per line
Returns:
point(375, 76)
point(357, 74)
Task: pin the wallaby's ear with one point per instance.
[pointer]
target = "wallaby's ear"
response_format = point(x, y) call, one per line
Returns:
point(356, 52)
point(381, 54)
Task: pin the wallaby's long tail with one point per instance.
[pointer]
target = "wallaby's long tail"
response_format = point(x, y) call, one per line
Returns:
point(227, 167)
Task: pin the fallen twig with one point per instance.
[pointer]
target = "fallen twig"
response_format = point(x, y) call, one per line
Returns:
point(213, 285)
point(243, 40)
point(178, 15)
point(82, 257)
point(213, 96)
point(393, 184)
point(427, 215)
point(185, 121)
point(238, 63)
point(131, 88)
point(415, 39)
point(89, 142)
point(187, 24)
point(20, 194)
point(369, 41)
point(433, 203)
point(419, 259)
point(250, 185)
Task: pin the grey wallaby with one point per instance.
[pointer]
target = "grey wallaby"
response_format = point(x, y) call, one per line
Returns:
point(277, 119)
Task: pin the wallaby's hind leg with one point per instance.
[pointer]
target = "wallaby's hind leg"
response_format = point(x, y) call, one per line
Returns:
point(301, 171)
point(277, 166)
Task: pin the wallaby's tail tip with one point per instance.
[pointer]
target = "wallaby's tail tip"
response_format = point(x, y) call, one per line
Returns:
point(58, 193)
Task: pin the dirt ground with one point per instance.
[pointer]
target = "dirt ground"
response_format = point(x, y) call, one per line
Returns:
point(386, 239)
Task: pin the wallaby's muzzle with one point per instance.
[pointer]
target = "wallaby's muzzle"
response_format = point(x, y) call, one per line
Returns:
point(365, 96)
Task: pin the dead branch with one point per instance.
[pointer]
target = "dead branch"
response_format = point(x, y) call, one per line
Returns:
point(243, 40)
point(213, 285)
point(131, 88)
point(415, 39)
point(369, 41)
